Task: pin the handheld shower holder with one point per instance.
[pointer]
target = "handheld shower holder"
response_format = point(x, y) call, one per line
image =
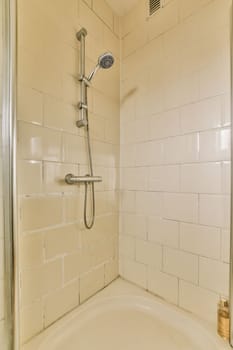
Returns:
point(82, 105)
point(84, 79)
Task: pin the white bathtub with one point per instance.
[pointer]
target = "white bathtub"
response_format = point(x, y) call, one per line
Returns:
point(124, 317)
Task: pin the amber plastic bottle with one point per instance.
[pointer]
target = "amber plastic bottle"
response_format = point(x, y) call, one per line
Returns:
point(224, 319)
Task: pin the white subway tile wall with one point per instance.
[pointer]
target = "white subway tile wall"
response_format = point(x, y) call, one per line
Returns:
point(175, 152)
point(174, 155)
point(62, 264)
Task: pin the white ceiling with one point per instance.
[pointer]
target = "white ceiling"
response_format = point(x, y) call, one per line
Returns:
point(121, 7)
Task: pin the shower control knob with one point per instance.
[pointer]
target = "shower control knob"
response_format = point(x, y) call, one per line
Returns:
point(68, 179)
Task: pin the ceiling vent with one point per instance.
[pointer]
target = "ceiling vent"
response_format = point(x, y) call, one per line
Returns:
point(154, 5)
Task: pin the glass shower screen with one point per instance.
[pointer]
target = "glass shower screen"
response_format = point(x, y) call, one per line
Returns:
point(3, 335)
point(7, 182)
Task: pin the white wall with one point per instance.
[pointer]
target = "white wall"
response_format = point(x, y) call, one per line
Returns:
point(175, 155)
point(61, 263)
point(175, 152)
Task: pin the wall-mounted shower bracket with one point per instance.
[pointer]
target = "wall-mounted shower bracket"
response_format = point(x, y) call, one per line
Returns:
point(81, 123)
point(81, 33)
point(71, 179)
point(84, 79)
point(82, 105)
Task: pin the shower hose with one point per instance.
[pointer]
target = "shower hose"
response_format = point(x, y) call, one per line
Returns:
point(89, 224)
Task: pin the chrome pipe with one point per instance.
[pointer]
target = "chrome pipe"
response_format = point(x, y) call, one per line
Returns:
point(83, 89)
point(81, 34)
point(71, 179)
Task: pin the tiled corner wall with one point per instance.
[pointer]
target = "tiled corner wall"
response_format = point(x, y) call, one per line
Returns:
point(175, 152)
point(62, 264)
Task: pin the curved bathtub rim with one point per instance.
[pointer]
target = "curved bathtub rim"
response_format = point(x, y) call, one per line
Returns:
point(182, 321)
point(139, 299)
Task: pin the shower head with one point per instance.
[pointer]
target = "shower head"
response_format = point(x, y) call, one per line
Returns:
point(105, 61)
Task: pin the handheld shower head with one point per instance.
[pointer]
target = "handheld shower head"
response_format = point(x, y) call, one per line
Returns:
point(105, 61)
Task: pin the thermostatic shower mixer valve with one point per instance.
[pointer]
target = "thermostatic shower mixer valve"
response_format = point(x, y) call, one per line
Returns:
point(105, 61)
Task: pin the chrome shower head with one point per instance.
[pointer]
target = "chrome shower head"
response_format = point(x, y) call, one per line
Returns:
point(105, 61)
